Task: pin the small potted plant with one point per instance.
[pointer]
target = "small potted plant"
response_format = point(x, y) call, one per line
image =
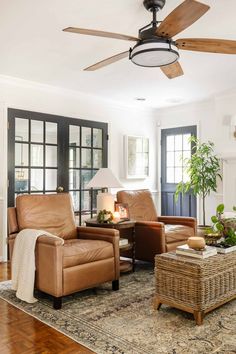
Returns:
point(105, 216)
point(203, 169)
point(222, 234)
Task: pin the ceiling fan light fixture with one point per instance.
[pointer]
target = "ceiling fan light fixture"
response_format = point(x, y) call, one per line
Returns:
point(154, 53)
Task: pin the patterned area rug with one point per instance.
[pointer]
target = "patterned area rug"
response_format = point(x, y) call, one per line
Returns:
point(124, 322)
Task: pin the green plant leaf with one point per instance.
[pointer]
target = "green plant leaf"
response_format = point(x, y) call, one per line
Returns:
point(219, 226)
point(214, 219)
point(220, 208)
point(230, 238)
point(234, 208)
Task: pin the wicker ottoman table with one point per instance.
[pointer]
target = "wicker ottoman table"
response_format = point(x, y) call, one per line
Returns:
point(195, 285)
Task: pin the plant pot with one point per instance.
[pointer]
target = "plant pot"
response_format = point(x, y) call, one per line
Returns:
point(222, 248)
point(212, 239)
point(201, 230)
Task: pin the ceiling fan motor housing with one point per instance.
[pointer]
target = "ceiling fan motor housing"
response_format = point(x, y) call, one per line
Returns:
point(154, 53)
point(150, 5)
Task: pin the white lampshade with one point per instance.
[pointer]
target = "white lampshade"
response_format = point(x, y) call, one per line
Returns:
point(104, 178)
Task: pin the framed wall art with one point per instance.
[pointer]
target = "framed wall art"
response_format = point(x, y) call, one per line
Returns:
point(136, 157)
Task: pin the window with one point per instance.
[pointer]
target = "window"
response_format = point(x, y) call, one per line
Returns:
point(178, 149)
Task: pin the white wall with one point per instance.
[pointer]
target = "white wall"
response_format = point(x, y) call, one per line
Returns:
point(229, 182)
point(212, 118)
point(16, 93)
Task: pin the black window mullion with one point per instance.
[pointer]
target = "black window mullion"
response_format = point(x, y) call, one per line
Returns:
point(91, 192)
point(11, 159)
point(63, 154)
point(80, 176)
point(29, 152)
point(44, 157)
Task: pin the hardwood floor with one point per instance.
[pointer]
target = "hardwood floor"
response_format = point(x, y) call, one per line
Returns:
point(23, 334)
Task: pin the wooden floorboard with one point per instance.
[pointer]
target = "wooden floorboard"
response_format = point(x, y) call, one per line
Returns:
point(23, 334)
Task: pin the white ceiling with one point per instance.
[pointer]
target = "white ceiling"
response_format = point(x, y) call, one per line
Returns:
point(33, 47)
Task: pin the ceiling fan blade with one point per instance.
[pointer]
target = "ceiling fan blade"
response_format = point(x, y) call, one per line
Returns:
point(173, 70)
point(107, 61)
point(90, 32)
point(182, 17)
point(209, 45)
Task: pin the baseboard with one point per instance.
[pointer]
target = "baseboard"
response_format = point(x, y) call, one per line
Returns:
point(1, 259)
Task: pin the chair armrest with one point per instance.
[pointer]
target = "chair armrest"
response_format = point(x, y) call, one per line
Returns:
point(156, 224)
point(41, 239)
point(44, 239)
point(109, 235)
point(12, 220)
point(150, 235)
point(98, 233)
point(49, 265)
point(179, 220)
point(10, 241)
point(12, 237)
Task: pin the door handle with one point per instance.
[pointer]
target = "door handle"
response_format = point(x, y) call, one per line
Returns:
point(60, 189)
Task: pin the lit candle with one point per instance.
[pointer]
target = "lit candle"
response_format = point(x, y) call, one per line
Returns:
point(116, 216)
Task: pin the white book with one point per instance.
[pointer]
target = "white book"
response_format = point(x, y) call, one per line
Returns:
point(226, 250)
point(123, 242)
point(194, 255)
point(187, 249)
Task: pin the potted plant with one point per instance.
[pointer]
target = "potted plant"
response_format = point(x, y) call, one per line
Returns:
point(223, 228)
point(203, 169)
point(105, 216)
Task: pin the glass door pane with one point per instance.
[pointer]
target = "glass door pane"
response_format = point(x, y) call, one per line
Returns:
point(86, 155)
point(178, 148)
point(36, 155)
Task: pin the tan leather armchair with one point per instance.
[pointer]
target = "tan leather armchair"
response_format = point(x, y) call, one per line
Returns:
point(87, 258)
point(154, 234)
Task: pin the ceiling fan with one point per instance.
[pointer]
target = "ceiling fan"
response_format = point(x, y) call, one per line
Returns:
point(155, 45)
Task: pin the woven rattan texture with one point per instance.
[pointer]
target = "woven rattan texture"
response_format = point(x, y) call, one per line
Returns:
point(196, 284)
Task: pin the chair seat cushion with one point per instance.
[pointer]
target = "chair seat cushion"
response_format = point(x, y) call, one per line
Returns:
point(79, 251)
point(176, 233)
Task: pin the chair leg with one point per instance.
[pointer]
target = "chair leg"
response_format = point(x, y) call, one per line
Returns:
point(115, 285)
point(57, 302)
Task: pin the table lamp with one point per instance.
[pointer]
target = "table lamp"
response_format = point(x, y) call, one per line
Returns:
point(104, 179)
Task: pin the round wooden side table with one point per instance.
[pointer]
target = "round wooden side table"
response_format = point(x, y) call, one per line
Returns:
point(125, 266)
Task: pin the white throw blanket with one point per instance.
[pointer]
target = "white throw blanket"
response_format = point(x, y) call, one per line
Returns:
point(23, 263)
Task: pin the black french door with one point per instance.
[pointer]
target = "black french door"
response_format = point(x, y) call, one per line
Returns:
point(50, 154)
point(175, 147)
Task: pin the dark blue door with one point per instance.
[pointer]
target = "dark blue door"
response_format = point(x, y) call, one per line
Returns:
point(175, 147)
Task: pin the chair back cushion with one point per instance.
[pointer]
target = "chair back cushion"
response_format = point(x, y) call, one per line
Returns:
point(50, 212)
point(140, 204)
